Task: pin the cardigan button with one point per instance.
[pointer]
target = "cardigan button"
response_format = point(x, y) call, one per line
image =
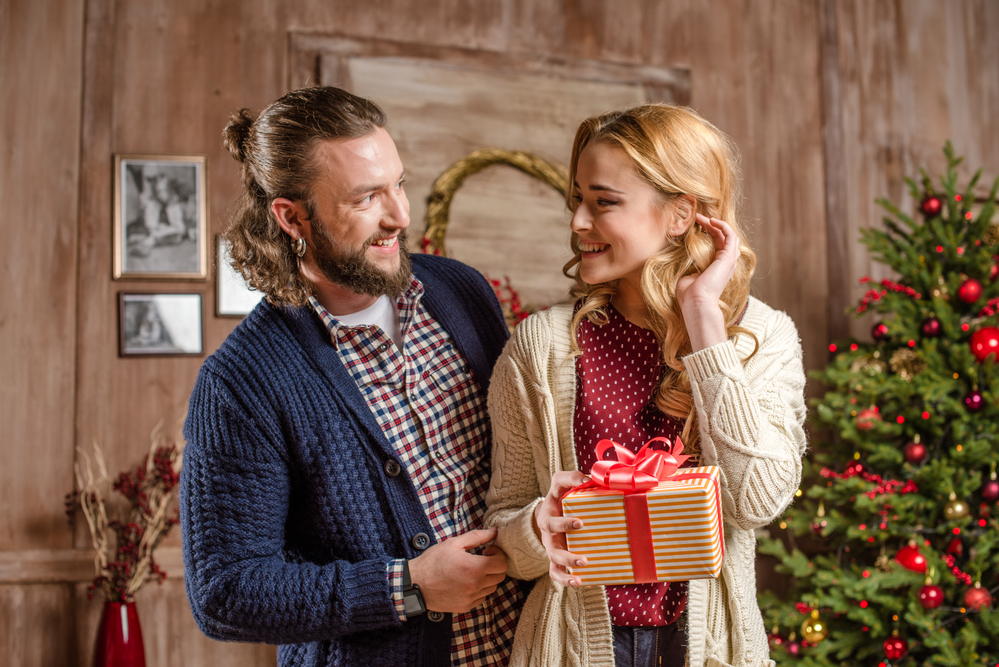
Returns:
point(392, 468)
point(436, 616)
point(421, 541)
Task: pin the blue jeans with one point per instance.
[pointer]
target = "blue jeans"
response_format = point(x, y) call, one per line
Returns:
point(649, 647)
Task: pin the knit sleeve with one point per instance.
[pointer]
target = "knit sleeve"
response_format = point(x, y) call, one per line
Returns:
point(751, 420)
point(519, 455)
point(234, 500)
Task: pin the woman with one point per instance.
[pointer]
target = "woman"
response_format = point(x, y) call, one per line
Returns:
point(661, 339)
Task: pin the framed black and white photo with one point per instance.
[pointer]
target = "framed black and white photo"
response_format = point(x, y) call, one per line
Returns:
point(160, 324)
point(160, 217)
point(233, 297)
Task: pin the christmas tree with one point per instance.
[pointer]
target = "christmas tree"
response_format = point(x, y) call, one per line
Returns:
point(893, 546)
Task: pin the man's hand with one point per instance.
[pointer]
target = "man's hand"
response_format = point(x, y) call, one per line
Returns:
point(455, 581)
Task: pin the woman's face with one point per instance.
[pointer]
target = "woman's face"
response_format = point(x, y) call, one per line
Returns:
point(619, 217)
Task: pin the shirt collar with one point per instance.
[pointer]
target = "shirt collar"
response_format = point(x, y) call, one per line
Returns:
point(409, 299)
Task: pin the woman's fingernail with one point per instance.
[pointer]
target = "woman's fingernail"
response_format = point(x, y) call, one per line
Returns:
point(579, 562)
point(577, 524)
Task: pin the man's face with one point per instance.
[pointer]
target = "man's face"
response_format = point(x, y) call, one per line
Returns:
point(361, 214)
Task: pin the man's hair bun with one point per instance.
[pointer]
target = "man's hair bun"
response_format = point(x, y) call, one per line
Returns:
point(236, 134)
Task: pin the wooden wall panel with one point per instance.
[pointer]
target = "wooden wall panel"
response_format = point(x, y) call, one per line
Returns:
point(910, 76)
point(39, 42)
point(164, 76)
point(38, 626)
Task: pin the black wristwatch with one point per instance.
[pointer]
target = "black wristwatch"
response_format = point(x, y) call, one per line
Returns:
point(412, 598)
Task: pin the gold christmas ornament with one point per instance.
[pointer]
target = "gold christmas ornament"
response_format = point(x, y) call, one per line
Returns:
point(868, 364)
point(956, 509)
point(814, 629)
point(906, 364)
point(991, 235)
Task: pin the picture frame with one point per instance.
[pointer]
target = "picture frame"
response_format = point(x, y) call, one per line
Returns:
point(160, 217)
point(160, 324)
point(233, 297)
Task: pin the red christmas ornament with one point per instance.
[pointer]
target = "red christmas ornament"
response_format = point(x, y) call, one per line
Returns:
point(976, 598)
point(879, 332)
point(915, 453)
point(867, 417)
point(990, 491)
point(994, 271)
point(969, 291)
point(931, 206)
point(985, 342)
point(973, 401)
point(931, 327)
point(955, 548)
point(896, 648)
point(931, 596)
point(794, 648)
point(775, 640)
point(910, 558)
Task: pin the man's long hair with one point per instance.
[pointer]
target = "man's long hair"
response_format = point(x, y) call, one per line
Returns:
point(678, 153)
point(277, 153)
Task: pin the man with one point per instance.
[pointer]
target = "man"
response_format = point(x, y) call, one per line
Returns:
point(338, 443)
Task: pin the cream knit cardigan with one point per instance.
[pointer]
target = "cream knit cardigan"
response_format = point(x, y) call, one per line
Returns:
point(750, 418)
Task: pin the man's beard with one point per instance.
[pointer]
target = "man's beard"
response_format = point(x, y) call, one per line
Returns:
point(350, 268)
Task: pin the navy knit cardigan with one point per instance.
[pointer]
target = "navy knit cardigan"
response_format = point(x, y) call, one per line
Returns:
point(288, 516)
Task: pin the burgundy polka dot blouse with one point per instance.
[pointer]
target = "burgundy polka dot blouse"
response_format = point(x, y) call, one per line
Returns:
point(617, 373)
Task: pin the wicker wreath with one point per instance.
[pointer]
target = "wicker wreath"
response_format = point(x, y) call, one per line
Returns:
point(439, 201)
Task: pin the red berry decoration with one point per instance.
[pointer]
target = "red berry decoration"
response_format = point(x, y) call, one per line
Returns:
point(931, 596)
point(977, 597)
point(931, 206)
point(969, 291)
point(990, 491)
point(914, 452)
point(931, 327)
point(910, 558)
point(985, 342)
point(973, 401)
point(867, 417)
point(896, 648)
point(879, 332)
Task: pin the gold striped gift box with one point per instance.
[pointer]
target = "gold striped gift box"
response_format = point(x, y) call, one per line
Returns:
point(685, 518)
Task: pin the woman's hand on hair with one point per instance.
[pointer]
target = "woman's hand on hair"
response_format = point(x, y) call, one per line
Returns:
point(551, 526)
point(698, 293)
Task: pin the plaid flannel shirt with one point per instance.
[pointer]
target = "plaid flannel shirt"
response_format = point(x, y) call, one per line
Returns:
point(433, 412)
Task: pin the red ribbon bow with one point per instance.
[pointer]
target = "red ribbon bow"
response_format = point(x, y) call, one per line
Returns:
point(636, 472)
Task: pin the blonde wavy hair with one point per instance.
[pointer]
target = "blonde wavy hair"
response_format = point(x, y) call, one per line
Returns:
point(678, 153)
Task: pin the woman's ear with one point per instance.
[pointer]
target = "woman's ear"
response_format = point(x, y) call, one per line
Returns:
point(292, 217)
point(681, 215)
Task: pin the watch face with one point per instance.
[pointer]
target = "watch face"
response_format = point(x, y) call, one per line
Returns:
point(413, 605)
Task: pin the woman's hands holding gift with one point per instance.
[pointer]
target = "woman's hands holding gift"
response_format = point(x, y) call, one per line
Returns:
point(551, 526)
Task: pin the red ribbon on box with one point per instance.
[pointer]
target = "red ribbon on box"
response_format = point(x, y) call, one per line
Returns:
point(634, 474)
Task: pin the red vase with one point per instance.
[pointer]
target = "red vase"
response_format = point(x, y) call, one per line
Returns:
point(119, 637)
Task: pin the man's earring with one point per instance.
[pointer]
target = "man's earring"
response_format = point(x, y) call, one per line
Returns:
point(298, 247)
